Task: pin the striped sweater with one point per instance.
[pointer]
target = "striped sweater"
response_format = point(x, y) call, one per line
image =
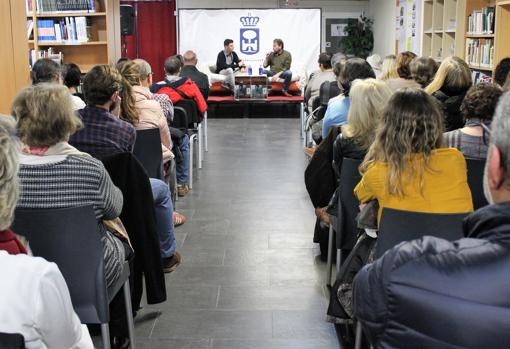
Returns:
point(75, 180)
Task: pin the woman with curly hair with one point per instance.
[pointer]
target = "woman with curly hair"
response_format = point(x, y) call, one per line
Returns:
point(478, 108)
point(406, 167)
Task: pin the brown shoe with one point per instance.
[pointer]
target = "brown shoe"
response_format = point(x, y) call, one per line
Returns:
point(171, 263)
point(182, 190)
point(286, 94)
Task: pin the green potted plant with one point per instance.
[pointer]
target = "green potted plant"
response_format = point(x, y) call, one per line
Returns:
point(359, 41)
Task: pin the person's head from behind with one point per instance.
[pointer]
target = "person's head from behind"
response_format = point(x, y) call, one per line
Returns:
point(278, 45)
point(172, 66)
point(423, 70)
point(145, 71)
point(72, 75)
point(497, 167)
point(228, 45)
point(502, 72)
point(411, 125)
point(189, 58)
point(452, 75)
point(480, 103)
point(102, 86)
point(324, 61)
point(130, 72)
point(368, 99)
point(8, 172)
point(337, 68)
point(45, 115)
point(404, 59)
point(353, 69)
point(389, 68)
point(374, 61)
point(46, 70)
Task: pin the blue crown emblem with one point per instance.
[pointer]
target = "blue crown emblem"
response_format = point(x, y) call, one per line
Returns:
point(249, 21)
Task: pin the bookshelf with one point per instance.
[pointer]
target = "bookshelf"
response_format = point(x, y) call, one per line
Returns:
point(486, 44)
point(440, 19)
point(14, 72)
point(86, 35)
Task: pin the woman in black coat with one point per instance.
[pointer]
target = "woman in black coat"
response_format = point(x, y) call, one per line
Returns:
point(449, 87)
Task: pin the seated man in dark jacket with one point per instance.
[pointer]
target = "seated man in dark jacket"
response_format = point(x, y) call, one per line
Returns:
point(432, 293)
point(228, 62)
point(189, 70)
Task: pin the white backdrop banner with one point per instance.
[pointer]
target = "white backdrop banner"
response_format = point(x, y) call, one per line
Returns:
point(253, 31)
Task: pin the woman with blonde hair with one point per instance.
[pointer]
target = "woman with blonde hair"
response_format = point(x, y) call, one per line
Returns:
point(404, 78)
point(406, 167)
point(368, 99)
point(449, 87)
point(389, 68)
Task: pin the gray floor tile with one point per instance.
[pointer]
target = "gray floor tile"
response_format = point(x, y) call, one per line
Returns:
point(214, 324)
point(174, 344)
point(188, 297)
point(301, 325)
point(318, 343)
point(224, 276)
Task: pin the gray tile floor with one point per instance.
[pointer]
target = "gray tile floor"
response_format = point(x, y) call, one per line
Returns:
point(250, 276)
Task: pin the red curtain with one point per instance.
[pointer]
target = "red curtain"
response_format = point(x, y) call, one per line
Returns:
point(156, 34)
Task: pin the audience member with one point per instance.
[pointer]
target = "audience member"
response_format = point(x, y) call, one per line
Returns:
point(228, 62)
point(502, 72)
point(368, 99)
point(404, 79)
point(460, 297)
point(49, 71)
point(450, 85)
point(178, 88)
point(336, 114)
point(406, 168)
point(53, 174)
point(34, 298)
point(279, 62)
point(478, 108)
point(180, 139)
point(8, 186)
point(148, 114)
point(325, 74)
point(389, 68)
point(423, 70)
point(72, 79)
point(103, 132)
point(189, 70)
point(375, 62)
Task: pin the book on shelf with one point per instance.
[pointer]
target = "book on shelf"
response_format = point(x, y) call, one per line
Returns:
point(480, 52)
point(480, 77)
point(65, 30)
point(65, 6)
point(30, 28)
point(481, 22)
point(34, 55)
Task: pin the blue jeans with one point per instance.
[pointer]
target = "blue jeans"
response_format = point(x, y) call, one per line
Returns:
point(182, 167)
point(164, 217)
point(286, 76)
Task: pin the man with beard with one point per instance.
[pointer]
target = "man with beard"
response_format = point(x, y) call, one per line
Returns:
point(432, 293)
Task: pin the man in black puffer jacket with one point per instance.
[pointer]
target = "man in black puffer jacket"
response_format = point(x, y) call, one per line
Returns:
point(432, 293)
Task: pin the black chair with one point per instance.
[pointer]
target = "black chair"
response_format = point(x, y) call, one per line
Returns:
point(397, 226)
point(148, 151)
point(328, 90)
point(475, 170)
point(69, 238)
point(12, 341)
point(348, 208)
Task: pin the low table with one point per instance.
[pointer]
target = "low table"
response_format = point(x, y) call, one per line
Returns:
point(250, 87)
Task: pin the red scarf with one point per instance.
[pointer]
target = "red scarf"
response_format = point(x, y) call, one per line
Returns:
point(9, 243)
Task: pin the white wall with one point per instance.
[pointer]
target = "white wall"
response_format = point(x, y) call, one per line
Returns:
point(383, 14)
point(330, 8)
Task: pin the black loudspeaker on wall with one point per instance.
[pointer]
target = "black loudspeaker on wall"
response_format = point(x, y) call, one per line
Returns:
point(127, 20)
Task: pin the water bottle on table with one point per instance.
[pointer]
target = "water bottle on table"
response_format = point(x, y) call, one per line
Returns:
point(261, 70)
point(250, 71)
